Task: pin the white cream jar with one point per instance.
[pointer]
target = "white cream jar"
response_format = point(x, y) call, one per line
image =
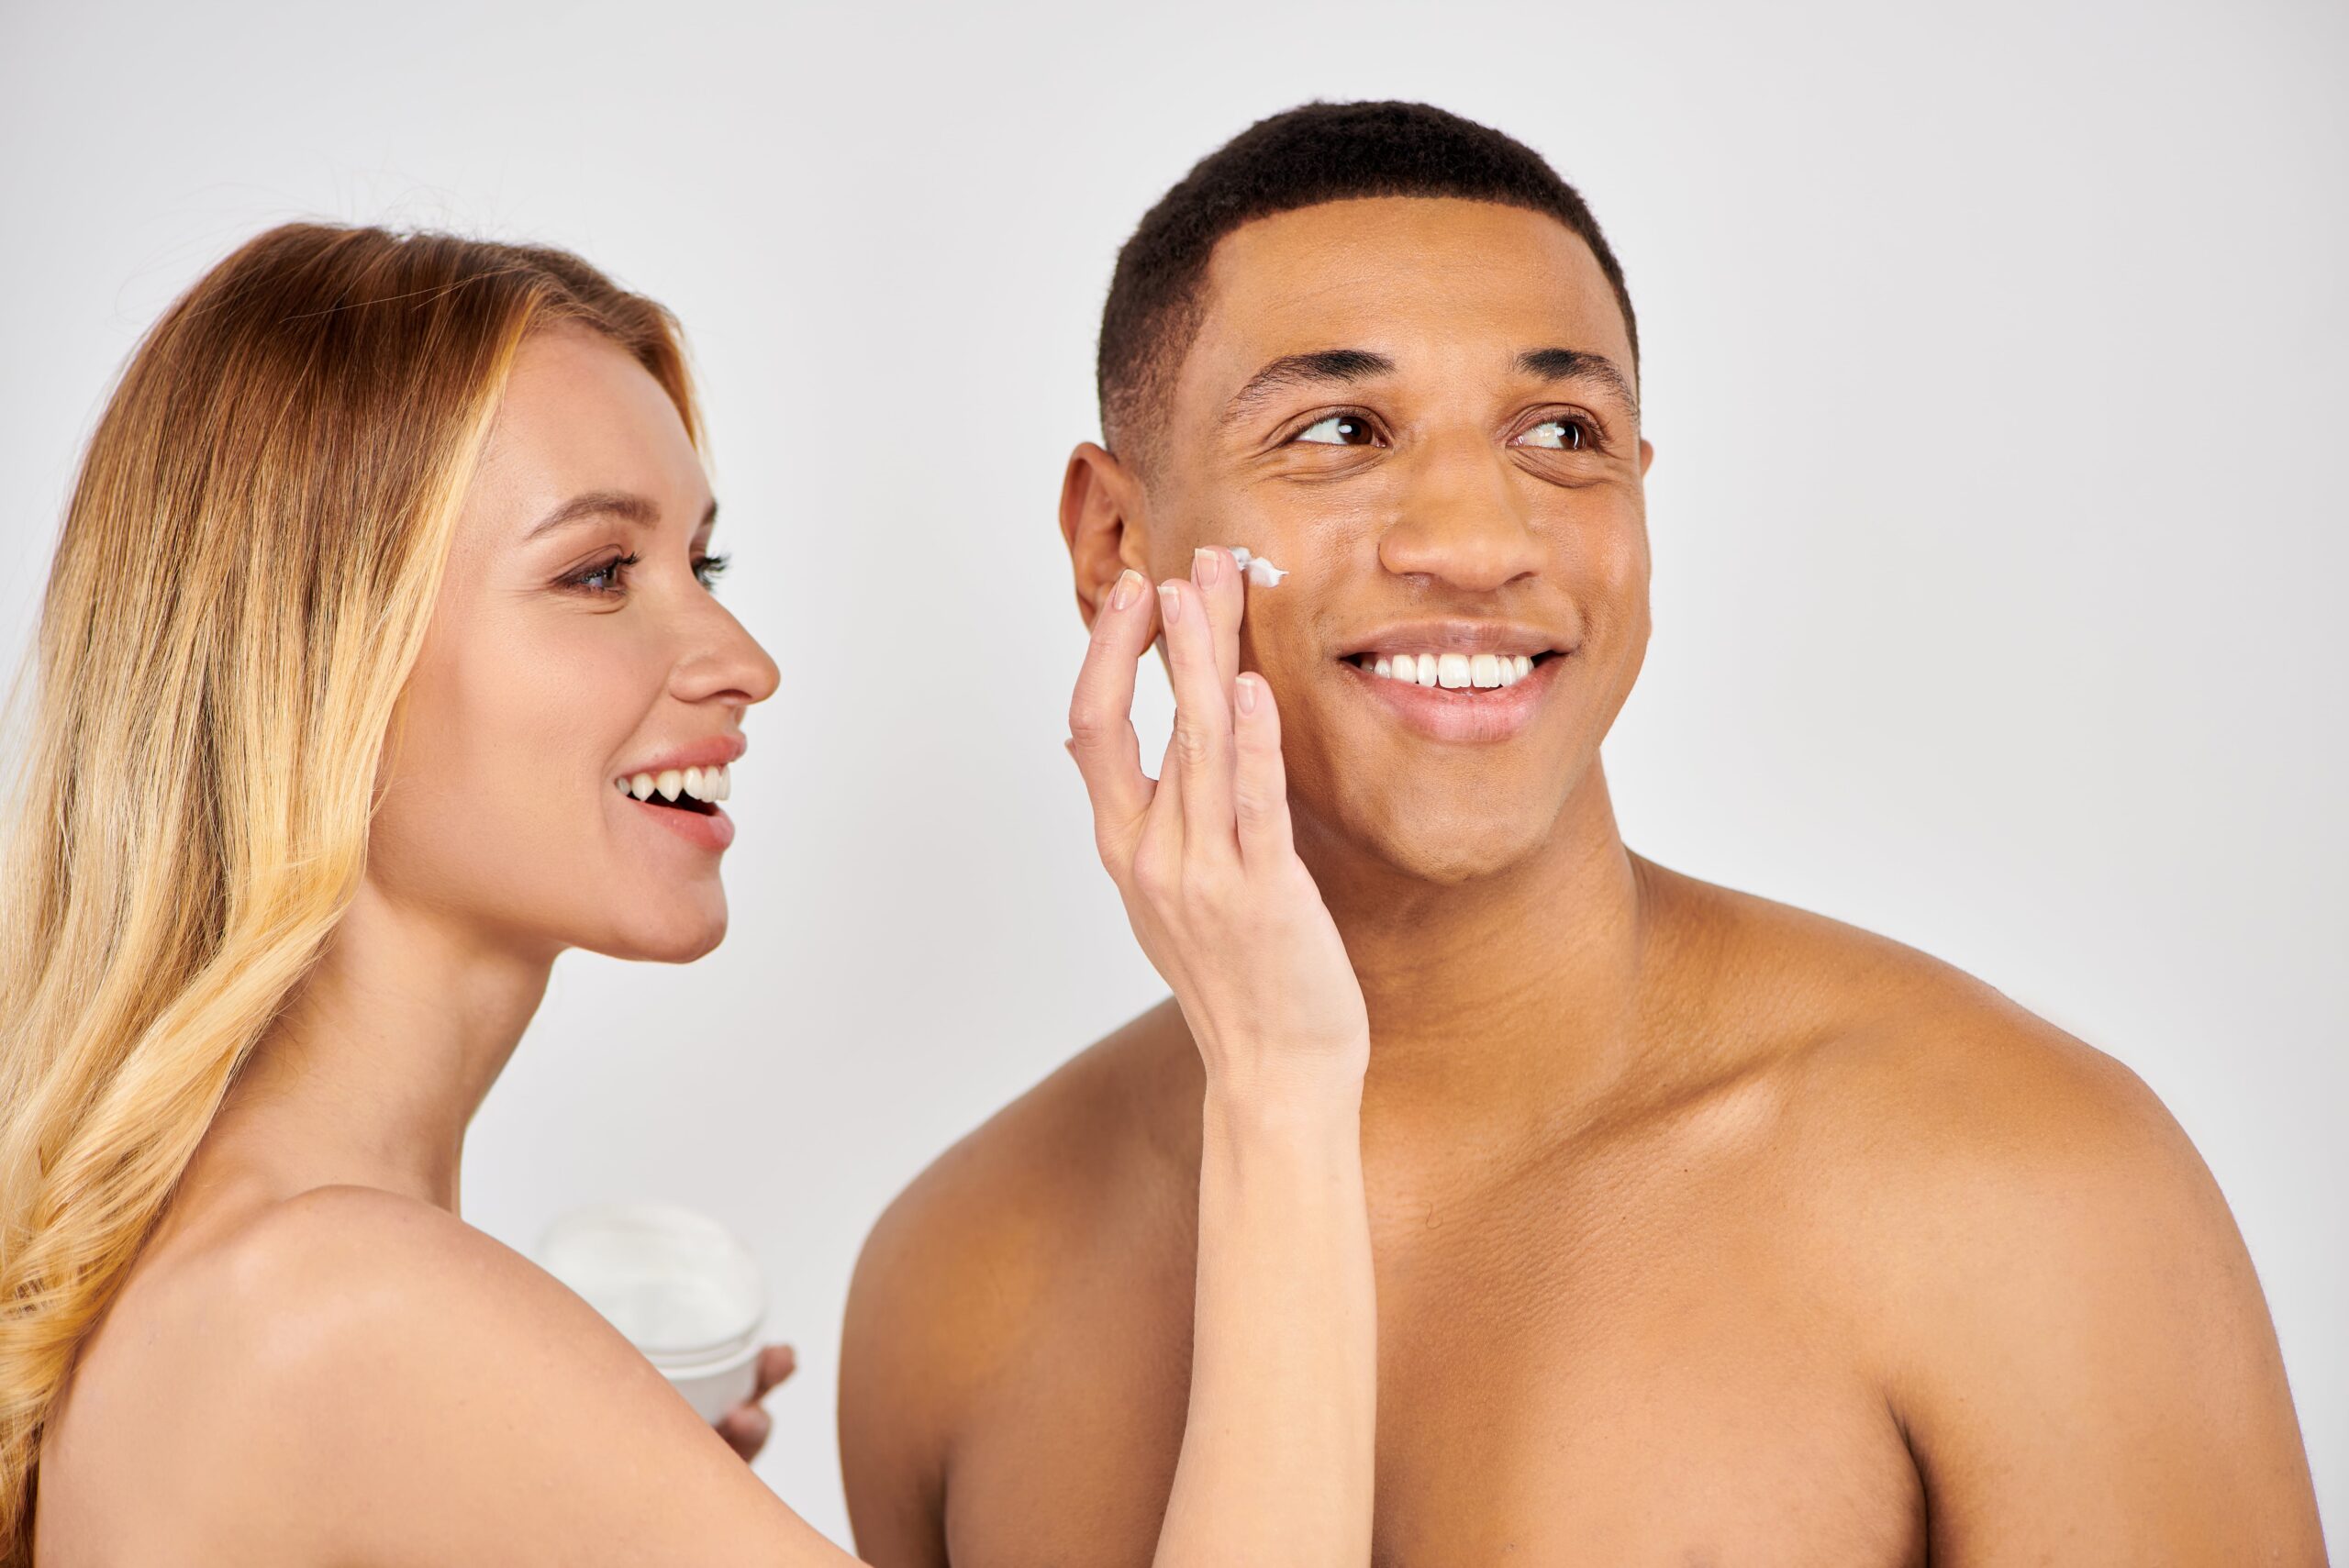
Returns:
point(681, 1290)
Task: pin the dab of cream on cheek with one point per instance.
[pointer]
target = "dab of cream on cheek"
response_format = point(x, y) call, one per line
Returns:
point(1255, 568)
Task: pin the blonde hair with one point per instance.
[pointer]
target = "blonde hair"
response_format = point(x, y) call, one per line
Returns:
point(246, 572)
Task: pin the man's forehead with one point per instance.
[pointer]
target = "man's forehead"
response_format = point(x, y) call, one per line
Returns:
point(1388, 272)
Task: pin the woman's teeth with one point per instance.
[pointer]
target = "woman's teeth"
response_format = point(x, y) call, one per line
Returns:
point(1454, 672)
point(706, 784)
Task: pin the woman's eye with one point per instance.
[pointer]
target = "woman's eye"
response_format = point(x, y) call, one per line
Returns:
point(604, 577)
point(708, 569)
point(1339, 431)
point(1562, 434)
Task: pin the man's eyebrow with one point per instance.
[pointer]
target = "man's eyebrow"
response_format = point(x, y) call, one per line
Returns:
point(1325, 366)
point(1579, 364)
point(622, 503)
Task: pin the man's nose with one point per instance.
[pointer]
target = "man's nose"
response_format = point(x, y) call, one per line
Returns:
point(1460, 520)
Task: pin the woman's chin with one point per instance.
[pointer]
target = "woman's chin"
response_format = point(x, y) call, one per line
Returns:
point(687, 936)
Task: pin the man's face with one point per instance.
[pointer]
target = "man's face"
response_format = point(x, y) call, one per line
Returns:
point(1423, 410)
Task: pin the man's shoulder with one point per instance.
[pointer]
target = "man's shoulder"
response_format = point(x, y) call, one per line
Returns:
point(1877, 1040)
point(2018, 1239)
point(1011, 1195)
point(1938, 1130)
point(954, 1278)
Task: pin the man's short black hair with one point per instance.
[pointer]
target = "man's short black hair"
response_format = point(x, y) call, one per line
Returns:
point(1316, 152)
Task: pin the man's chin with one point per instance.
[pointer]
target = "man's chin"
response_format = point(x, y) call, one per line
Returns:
point(1454, 862)
point(1449, 849)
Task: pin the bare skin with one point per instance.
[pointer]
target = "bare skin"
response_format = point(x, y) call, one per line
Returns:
point(1705, 1230)
point(314, 1358)
point(314, 1361)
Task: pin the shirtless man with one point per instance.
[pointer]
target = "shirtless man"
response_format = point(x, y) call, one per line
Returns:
point(1707, 1230)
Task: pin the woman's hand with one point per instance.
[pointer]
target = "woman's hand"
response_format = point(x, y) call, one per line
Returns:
point(746, 1426)
point(1279, 1449)
point(1203, 855)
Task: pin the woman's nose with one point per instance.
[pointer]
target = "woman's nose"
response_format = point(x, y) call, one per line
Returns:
point(727, 663)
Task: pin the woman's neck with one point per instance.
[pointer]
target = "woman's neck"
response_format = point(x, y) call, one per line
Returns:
point(377, 1064)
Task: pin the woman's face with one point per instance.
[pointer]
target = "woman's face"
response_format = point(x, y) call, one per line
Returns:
point(575, 648)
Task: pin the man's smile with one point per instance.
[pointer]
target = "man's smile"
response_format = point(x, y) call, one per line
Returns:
point(1459, 680)
point(1452, 672)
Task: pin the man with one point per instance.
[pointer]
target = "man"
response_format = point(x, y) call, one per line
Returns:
point(1707, 1230)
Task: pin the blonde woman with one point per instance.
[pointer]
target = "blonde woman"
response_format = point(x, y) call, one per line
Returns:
point(385, 578)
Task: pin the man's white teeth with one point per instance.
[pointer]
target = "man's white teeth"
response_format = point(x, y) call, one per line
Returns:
point(1454, 672)
point(702, 784)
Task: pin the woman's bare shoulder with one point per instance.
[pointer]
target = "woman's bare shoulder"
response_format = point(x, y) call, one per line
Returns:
point(355, 1375)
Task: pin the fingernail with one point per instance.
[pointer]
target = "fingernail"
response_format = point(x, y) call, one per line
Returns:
point(1170, 600)
point(1246, 691)
point(1205, 566)
point(1128, 584)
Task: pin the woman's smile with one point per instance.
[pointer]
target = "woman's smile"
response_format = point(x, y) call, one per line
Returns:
point(682, 788)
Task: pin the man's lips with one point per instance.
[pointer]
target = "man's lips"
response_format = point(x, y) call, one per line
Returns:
point(1502, 639)
point(1464, 714)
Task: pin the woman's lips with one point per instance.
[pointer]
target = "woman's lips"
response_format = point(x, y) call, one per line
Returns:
point(1471, 714)
point(712, 830)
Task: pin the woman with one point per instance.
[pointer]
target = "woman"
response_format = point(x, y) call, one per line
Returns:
point(379, 623)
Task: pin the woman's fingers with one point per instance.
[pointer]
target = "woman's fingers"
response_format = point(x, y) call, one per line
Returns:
point(775, 1363)
point(1226, 596)
point(1259, 782)
point(1201, 746)
point(1158, 849)
point(745, 1427)
point(1101, 718)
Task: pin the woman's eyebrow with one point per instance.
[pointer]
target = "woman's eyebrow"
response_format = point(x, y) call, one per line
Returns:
point(618, 503)
point(1580, 364)
point(1327, 366)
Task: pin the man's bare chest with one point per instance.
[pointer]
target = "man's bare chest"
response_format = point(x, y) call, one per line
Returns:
point(1655, 1396)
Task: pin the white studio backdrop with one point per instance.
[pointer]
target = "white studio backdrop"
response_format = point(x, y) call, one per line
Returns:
point(1993, 359)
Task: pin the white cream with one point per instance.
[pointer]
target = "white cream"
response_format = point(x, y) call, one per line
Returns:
point(1255, 568)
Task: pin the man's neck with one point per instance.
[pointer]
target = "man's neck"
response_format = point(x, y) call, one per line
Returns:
point(379, 1061)
point(1503, 999)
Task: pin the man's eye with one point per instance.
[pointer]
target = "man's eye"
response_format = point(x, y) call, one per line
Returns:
point(708, 569)
point(1339, 431)
point(1562, 434)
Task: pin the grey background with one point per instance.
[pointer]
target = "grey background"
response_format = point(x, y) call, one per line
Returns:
point(1994, 362)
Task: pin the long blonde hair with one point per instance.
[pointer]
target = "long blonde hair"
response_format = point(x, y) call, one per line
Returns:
point(246, 572)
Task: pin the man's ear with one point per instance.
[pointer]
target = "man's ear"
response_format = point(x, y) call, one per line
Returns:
point(1101, 521)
